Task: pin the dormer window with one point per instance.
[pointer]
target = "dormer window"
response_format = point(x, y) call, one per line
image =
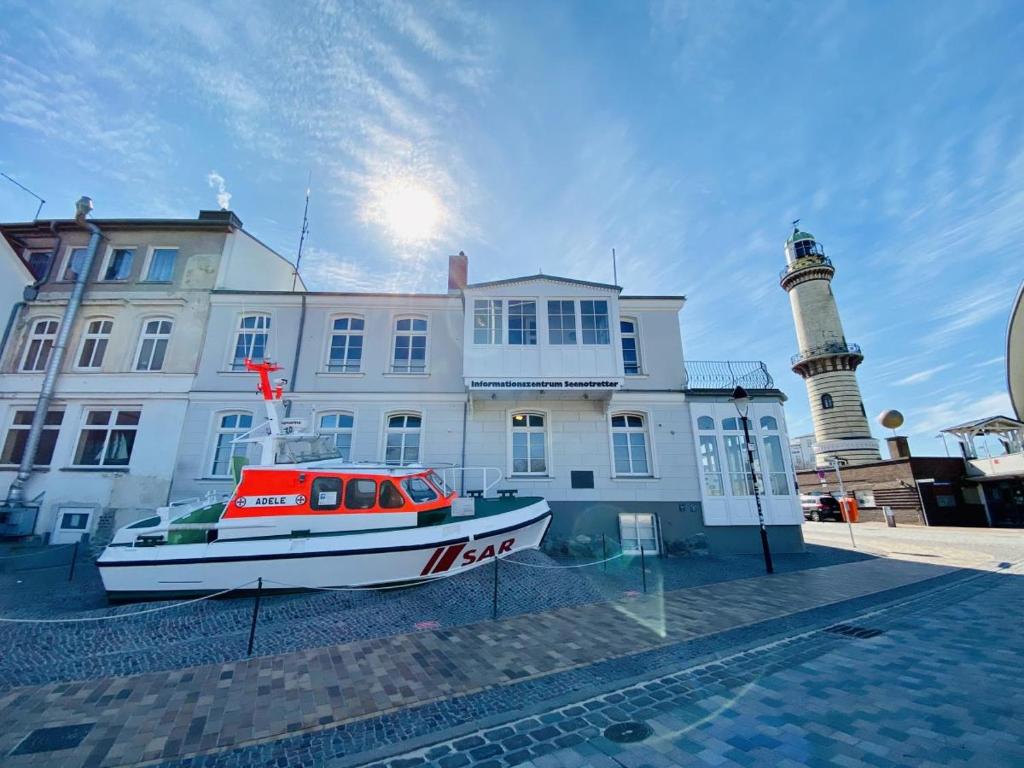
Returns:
point(561, 322)
point(522, 322)
point(487, 321)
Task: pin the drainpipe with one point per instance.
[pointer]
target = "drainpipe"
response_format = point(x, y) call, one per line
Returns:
point(16, 493)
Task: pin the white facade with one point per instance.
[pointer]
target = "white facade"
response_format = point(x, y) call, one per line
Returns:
point(121, 398)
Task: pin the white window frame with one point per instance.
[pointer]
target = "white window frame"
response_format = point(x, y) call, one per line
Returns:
point(148, 263)
point(768, 475)
point(624, 517)
point(239, 330)
point(495, 330)
point(330, 340)
point(608, 319)
point(636, 336)
point(334, 431)
point(510, 430)
point(395, 333)
point(110, 427)
point(12, 427)
point(536, 321)
point(403, 431)
point(42, 338)
point(156, 337)
point(66, 263)
point(648, 443)
point(236, 449)
point(575, 320)
point(88, 335)
point(109, 256)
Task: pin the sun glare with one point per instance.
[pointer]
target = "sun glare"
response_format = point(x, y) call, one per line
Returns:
point(407, 210)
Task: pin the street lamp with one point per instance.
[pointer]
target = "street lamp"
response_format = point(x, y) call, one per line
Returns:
point(742, 402)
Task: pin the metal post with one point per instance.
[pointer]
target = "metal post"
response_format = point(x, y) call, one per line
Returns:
point(768, 566)
point(604, 552)
point(255, 613)
point(643, 568)
point(842, 497)
point(494, 603)
point(74, 557)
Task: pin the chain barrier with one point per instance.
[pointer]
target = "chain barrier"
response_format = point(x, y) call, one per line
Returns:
point(128, 615)
point(578, 565)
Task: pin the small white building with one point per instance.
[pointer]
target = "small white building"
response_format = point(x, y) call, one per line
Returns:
point(111, 435)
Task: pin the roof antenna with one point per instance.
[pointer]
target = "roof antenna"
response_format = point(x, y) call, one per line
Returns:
point(305, 231)
point(615, 269)
point(795, 222)
point(22, 186)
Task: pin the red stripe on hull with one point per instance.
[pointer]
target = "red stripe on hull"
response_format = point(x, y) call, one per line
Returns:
point(431, 561)
point(449, 557)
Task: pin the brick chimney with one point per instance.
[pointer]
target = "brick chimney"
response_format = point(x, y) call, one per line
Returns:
point(899, 448)
point(458, 272)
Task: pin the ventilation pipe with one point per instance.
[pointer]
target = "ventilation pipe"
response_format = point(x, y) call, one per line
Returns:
point(16, 493)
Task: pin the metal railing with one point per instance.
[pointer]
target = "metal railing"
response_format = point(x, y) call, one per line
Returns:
point(805, 262)
point(727, 374)
point(830, 348)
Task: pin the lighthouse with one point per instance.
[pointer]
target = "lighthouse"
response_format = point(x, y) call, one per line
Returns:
point(827, 362)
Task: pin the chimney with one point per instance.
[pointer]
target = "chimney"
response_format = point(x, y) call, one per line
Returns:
point(458, 272)
point(899, 448)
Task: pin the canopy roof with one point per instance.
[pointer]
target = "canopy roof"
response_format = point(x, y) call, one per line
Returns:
point(993, 425)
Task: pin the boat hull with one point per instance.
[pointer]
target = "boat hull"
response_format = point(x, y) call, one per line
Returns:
point(344, 560)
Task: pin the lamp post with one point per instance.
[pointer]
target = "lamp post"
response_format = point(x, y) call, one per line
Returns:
point(741, 400)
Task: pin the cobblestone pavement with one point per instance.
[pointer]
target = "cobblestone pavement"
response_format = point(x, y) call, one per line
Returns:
point(932, 681)
point(217, 631)
point(351, 698)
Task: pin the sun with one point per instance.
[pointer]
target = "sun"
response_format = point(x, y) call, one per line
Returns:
point(407, 210)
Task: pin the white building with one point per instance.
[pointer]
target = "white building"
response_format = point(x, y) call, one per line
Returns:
point(565, 387)
point(108, 447)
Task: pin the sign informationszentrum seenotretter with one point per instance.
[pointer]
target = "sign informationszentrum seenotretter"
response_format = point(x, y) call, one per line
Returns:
point(544, 384)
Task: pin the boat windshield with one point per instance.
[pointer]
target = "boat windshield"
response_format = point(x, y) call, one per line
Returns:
point(418, 489)
point(439, 483)
point(299, 449)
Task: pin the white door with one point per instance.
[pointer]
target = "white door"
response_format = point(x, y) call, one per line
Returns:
point(638, 530)
point(72, 523)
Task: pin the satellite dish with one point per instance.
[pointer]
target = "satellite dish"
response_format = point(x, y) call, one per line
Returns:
point(891, 419)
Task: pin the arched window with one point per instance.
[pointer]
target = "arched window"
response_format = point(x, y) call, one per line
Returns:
point(252, 340)
point(529, 444)
point(40, 344)
point(410, 345)
point(826, 401)
point(630, 332)
point(629, 444)
point(770, 423)
point(341, 427)
point(229, 426)
point(346, 352)
point(94, 342)
point(705, 423)
point(156, 334)
point(402, 439)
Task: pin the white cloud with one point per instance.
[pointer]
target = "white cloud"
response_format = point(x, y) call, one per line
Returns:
point(216, 181)
point(917, 378)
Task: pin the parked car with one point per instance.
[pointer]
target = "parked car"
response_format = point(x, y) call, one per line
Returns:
point(820, 506)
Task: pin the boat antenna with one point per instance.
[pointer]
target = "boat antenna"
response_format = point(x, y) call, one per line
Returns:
point(615, 269)
point(303, 233)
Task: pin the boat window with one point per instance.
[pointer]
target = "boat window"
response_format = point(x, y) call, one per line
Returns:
point(439, 483)
point(390, 498)
point(326, 493)
point(360, 494)
point(418, 489)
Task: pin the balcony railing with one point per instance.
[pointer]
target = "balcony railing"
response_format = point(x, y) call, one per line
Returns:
point(831, 348)
point(805, 262)
point(727, 374)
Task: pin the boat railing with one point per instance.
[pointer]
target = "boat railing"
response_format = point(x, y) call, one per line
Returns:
point(465, 479)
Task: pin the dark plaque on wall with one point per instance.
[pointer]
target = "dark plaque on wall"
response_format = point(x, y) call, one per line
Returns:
point(581, 479)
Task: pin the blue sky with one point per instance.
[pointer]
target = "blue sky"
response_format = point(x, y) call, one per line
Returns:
point(539, 135)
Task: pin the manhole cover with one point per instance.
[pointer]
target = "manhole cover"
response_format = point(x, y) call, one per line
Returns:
point(53, 739)
point(625, 733)
point(849, 630)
